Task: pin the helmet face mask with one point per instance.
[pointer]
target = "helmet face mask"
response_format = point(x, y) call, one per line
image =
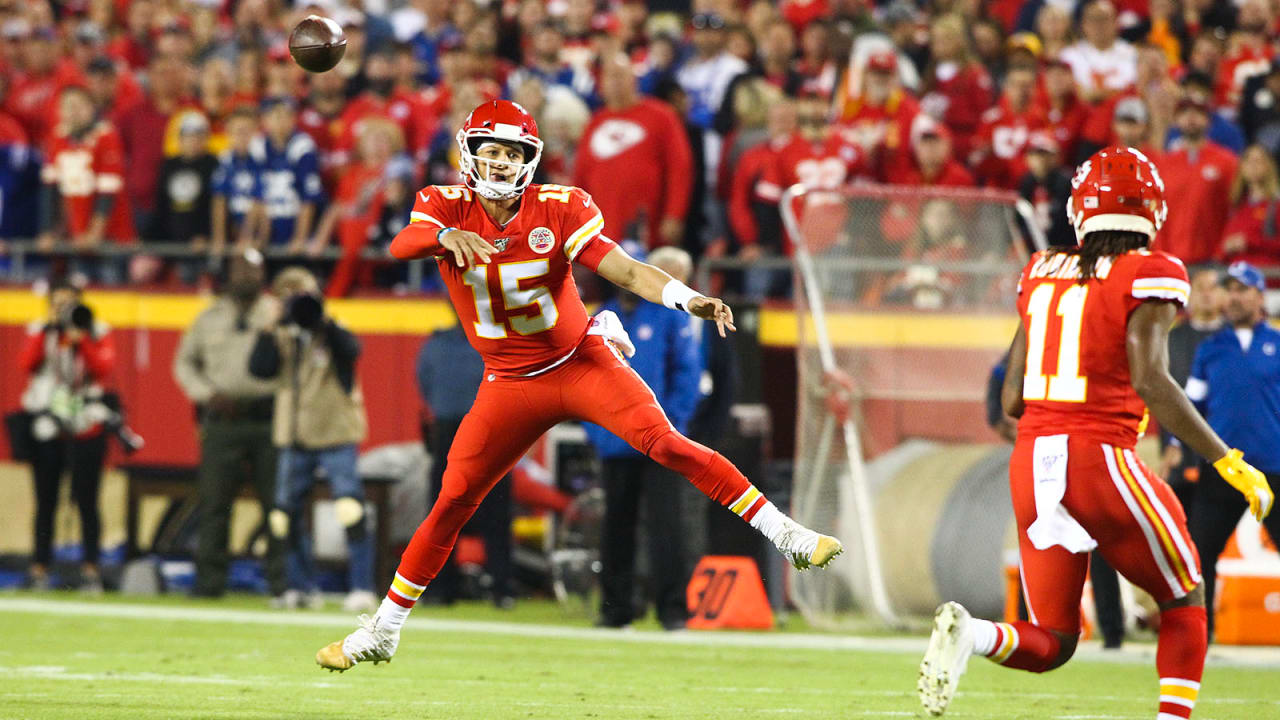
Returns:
point(484, 149)
point(1118, 188)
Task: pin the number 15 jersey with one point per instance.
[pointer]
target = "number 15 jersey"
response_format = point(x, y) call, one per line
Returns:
point(1077, 378)
point(521, 311)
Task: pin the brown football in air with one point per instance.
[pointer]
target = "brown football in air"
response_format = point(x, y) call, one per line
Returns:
point(317, 44)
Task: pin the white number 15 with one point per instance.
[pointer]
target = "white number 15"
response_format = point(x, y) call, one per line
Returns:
point(514, 299)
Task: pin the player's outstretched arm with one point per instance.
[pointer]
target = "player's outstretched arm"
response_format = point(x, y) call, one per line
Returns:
point(424, 240)
point(1147, 344)
point(656, 286)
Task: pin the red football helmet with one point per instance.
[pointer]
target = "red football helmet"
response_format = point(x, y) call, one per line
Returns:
point(504, 121)
point(1117, 189)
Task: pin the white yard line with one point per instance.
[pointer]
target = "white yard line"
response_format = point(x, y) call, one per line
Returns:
point(1223, 656)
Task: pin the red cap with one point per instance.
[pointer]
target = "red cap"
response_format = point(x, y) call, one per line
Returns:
point(883, 61)
point(1043, 140)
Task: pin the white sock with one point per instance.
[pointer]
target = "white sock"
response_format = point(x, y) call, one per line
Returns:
point(391, 615)
point(769, 521)
point(984, 636)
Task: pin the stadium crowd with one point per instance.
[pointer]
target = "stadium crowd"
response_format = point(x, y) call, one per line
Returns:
point(185, 121)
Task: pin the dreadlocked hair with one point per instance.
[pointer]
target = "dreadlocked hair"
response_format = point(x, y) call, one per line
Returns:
point(1103, 243)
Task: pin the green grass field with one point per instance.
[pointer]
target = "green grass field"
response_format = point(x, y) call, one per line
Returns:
point(62, 656)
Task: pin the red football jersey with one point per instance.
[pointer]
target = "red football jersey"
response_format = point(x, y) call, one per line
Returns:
point(1077, 377)
point(522, 311)
point(1001, 143)
point(825, 164)
point(82, 169)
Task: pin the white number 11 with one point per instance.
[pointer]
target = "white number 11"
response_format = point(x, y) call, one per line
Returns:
point(1067, 385)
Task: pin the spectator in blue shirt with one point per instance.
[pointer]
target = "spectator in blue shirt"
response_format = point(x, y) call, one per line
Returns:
point(236, 182)
point(289, 165)
point(449, 374)
point(1235, 381)
point(543, 62)
point(19, 180)
point(668, 359)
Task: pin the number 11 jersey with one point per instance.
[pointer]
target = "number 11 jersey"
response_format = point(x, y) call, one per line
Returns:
point(1077, 378)
point(521, 311)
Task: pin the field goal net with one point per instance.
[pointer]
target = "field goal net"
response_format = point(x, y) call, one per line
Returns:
point(905, 301)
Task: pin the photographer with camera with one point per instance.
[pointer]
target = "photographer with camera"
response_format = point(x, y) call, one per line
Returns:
point(67, 358)
point(319, 421)
point(234, 409)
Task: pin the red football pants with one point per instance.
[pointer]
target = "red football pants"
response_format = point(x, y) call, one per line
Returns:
point(509, 414)
point(1134, 516)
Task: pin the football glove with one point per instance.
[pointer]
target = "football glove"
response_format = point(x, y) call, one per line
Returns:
point(1248, 480)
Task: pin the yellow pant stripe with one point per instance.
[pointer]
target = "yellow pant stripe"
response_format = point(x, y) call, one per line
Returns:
point(1170, 551)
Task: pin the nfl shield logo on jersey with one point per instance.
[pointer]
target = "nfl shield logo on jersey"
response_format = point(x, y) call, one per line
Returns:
point(502, 243)
point(541, 240)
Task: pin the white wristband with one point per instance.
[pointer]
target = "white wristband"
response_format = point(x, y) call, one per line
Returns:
point(676, 295)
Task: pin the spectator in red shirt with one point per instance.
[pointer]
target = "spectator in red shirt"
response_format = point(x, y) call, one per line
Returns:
point(1064, 112)
point(879, 113)
point(1252, 233)
point(33, 98)
point(381, 99)
point(83, 196)
point(143, 133)
point(959, 89)
point(358, 204)
point(636, 162)
point(321, 118)
point(1197, 177)
point(1002, 138)
point(133, 47)
point(752, 220)
point(1249, 52)
point(934, 163)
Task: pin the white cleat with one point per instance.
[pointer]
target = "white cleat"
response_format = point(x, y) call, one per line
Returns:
point(369, 643)
point(806, 548)
point(944, 662)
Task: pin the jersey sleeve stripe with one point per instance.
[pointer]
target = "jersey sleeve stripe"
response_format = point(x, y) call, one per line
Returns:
point(579, 238)
point(417, 216)
point(1149, 282)
point(1161, 293)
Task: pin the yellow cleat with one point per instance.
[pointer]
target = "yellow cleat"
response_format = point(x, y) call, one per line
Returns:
point(332, 658)
point(369, 643)
point(828, 547)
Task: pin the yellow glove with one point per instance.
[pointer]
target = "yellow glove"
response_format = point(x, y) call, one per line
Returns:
point(1248, 480)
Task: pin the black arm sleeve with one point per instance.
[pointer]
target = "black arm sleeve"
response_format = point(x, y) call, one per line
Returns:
point(345, 348)
point(264, 361)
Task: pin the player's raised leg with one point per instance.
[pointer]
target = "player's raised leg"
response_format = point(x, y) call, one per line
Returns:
point(501, 426)
point(611, 394)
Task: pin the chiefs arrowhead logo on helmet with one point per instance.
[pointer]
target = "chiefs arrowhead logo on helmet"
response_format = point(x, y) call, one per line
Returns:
point(498, 121)
point(1118, 188)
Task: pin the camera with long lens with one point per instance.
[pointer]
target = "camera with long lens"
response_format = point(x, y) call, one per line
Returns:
point(304, 310)
point(78, 316)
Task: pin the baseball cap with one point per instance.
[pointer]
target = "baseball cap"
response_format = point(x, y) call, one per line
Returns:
point(925, 126)
point(1043, 141)
point(192, 123)
point(883, 61)
point(16, 29)
point(1131, 108)
point(1247, 275)
point(1194, 101)
point(1028, 41)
